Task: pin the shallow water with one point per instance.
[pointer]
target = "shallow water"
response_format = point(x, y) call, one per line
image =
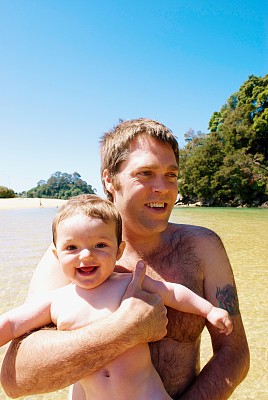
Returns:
point(25, 234)
point(244, 233)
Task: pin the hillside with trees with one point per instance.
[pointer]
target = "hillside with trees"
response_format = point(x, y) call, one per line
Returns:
point(6, 193)
point(229, 165)
point(61, 186)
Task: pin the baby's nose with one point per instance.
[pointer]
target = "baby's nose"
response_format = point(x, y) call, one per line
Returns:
point(85, 253)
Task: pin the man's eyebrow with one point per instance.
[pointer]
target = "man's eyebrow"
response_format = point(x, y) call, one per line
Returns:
point(173, 167)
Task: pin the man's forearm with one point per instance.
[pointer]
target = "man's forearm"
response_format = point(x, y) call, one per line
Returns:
point(221, 375)
point(56, 359)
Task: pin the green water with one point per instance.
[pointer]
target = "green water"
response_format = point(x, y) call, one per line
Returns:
point(244, 233)
point(25, 234)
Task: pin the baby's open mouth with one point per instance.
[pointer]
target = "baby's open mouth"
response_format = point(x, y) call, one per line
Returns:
point(87, 270)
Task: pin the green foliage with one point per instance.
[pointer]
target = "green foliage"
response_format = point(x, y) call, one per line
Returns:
point(230, 164)
point(61, 186)
point(6, 193)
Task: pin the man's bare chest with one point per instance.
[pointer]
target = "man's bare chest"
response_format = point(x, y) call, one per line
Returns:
point(182, 327)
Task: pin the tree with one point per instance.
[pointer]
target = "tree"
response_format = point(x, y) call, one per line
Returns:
point(6, 193)
point(230, 164)
point(199, 161)
point(61, 186)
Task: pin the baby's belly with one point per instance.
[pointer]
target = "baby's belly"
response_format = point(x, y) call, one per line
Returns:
point(130, 376)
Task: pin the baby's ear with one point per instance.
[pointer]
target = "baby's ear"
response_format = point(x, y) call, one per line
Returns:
point(120, 250)
point(54, 251)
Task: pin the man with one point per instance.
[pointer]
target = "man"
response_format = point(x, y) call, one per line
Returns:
point(139, 172)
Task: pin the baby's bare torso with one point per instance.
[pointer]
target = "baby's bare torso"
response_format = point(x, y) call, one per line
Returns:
point(130, 375)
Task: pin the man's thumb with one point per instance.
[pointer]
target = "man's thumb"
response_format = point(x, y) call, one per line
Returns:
point(139, 273)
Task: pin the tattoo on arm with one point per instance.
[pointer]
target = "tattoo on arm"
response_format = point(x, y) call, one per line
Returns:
point(227, 298)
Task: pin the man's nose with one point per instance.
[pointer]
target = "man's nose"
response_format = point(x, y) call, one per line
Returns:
point(160, 185)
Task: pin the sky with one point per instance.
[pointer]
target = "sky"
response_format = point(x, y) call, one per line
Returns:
point(70, 69)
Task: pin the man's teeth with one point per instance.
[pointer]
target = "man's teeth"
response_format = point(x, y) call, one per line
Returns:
point(87, 269)
point(156, 205)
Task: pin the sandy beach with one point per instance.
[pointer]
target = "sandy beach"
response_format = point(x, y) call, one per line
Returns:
point(19, 202)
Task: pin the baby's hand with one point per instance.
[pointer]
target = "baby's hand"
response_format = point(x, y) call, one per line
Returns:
point(221, 320)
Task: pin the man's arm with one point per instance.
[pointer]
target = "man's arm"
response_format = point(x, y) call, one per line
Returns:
point(47, 276)
point(56, 359)
point(230, 362)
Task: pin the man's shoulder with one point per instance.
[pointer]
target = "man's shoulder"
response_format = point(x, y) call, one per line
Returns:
point(193, 239)
point(190, 231)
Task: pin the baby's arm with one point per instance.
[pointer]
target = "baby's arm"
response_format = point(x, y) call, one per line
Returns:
point(183, 299)
point(24, 318)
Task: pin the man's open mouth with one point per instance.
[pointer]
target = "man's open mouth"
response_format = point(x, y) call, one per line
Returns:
point(156, 205)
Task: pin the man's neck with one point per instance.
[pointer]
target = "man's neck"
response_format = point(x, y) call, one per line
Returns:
point(141, 247)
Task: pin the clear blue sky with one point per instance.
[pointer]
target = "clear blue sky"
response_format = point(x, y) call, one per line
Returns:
point(70, 69)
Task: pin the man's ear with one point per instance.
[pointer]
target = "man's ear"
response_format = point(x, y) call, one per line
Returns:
point(108, 181)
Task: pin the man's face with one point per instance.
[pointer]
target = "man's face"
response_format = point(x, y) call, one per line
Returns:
point(147, 186)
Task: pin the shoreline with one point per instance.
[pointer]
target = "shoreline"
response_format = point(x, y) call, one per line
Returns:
point(22, 202)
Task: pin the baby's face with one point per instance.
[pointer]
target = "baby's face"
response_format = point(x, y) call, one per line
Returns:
point(87, 249)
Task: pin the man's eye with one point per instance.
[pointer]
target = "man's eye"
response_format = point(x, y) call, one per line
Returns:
point(173, 175)
point(145, 173)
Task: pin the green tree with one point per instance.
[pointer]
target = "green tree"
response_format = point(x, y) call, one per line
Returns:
point(230, 164)
point(199, 161)
point(61, 186)
point(6, 193)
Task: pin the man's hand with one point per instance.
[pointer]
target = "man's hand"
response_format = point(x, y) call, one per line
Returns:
point(147, 310)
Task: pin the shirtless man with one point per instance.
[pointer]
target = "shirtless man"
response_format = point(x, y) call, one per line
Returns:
point(139, 170)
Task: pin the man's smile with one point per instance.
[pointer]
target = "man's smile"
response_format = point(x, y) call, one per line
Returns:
point(156, 205)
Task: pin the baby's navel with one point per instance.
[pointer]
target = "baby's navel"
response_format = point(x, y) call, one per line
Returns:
point(106, 373)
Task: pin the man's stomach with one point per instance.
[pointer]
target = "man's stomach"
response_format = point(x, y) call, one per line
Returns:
point(176, 362)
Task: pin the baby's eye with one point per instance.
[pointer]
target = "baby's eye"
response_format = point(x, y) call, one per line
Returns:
point(71, 247)
point(100, 245)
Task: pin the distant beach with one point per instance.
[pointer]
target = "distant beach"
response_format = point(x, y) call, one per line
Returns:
point(22, 202)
